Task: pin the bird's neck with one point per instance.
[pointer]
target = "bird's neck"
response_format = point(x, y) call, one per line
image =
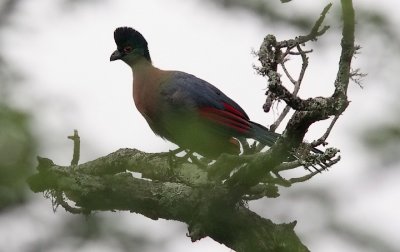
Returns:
point(146, 81)
point(142, 68)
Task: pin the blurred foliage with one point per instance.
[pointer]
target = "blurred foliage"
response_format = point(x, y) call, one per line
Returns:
point(7, 8)
point(269, 12)
point(17, 149)
point(17, 145)
point(323, 205)
point(369, 21)
point(80, 233)
point(383, 141)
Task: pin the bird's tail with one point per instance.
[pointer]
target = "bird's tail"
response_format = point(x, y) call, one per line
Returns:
point(267, 137)
point(263, 135)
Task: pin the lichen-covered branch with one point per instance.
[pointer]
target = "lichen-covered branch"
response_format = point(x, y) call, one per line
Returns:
point(272, 54)
point(207, 208)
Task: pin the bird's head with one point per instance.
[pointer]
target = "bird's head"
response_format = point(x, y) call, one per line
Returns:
point(131, 46)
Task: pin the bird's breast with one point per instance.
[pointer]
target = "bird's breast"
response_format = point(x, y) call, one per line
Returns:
point(146, 96)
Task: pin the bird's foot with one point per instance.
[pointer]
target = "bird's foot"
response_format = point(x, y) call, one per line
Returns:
point(168, 154)
point(200, 162)
point(174, 161)
point(249, 149)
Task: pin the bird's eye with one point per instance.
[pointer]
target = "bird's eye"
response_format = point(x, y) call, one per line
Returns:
point(127, 49)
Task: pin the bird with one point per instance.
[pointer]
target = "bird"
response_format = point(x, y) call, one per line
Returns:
point(185, 109)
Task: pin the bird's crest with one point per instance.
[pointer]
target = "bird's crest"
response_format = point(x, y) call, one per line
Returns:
point(123, 35)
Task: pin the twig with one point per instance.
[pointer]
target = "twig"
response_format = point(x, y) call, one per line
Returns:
point(322, 139)
point(77, 147)
point(288, 166)
point(262, 190)
point(356, 76)
point(315, 31)
point(297, 85)
point(297, 53)
point(303, 178)
point(293, 81)
point(304, 66)
point(312, 36)
point(270, 55)
point(279, 180)
point(59, 200)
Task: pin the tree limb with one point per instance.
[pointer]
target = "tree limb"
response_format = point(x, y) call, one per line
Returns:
point(103, 185)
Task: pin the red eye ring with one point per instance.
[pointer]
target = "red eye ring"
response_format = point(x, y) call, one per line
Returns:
point(127, 49)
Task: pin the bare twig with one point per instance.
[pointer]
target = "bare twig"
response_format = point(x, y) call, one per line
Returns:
point(60, 200)
point(316, 31)
point(304, 66)
point(297, 53)
point(288, 165)
point(356, 76)
point(293, 81)
point(262, 190)
point(77, 148)
point(322, 139)
point(303, 178)
point(297, 84)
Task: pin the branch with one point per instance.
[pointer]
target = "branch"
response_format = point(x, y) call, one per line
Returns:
point(307, 111)
point(344, 73)
point(207, 208)
point(322, 139)
point(77, 147)
point(270, 55)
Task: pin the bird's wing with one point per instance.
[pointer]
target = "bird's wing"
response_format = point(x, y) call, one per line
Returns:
point(187, 92)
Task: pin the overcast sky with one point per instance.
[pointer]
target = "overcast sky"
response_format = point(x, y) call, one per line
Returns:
point(69, 79)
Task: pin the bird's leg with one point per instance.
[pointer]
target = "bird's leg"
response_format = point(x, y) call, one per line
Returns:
point(247, 148)
point(175, 160)
point(200, 162)
point(176, 151)
point(166, 154)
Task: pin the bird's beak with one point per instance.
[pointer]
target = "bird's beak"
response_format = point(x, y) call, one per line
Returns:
point(116, 55)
